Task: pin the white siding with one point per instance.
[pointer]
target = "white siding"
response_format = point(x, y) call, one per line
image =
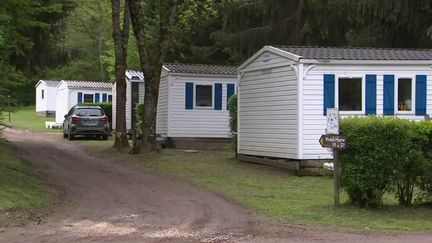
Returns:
point(128, 102)
point(114, 106)
point(51, 95)
point(268, 108)
point(198, 122)
point(162, 108)
point(314, 122)
point(62, 102)
point(68, 97)
point(41, 104)
point(128, 105)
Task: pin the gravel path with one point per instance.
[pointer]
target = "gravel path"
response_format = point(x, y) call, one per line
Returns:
point(103, 201)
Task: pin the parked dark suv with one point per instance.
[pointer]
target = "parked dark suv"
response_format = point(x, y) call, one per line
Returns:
point(86, 120)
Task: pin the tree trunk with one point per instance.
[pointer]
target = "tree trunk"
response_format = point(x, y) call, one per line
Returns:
point(120, 37)
point(150, 112)
point(151, 60)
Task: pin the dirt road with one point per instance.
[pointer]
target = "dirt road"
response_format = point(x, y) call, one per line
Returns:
point(103, 201)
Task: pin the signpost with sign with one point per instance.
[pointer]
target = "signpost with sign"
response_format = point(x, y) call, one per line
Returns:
point(333, 140)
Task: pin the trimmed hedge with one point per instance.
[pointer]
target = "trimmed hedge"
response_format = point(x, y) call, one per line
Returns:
point(385, 155)
point(106, 107)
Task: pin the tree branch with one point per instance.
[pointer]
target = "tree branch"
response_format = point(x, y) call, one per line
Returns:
point(137, 18)
point(166, 32)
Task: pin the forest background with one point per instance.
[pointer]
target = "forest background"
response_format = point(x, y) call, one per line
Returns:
point(72, 39)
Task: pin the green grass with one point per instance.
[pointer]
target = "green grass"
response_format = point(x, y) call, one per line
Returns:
point(20, 188)
point(25, 118)
point(274, 192)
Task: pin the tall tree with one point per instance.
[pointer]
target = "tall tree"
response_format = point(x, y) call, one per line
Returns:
point(153, 29)
point(31, 33)
point(121, 38)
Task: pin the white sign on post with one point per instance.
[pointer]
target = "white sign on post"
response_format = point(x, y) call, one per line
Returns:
point(332, 121)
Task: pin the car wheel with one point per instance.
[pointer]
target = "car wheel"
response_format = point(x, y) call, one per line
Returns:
point(65, 135)
point(71, 136)
point(105, 137)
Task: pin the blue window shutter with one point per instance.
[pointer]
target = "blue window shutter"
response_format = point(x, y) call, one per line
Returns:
point(329, 92)
point(420, 92)
point(189, 96)
point(104, 98)
point(389, 95)
point(218, 97)
point(97, 98)
point(80, 97)
point(230, 92)
point(371, 92)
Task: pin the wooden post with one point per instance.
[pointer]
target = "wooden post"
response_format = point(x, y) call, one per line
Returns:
point(336, 177)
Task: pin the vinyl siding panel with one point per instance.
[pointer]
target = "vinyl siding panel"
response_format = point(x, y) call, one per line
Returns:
point(128, 102)
point(266, 58)
point(314, 122)
point(41, 104)
point(114, 106)
point(268, 108)
point(197, 122)
point(62, 103)
point(162, 108)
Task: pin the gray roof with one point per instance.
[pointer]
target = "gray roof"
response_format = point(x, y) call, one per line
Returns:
point(134, 75)
point(88, 84)
point(50, 83)
point(201, 69)
point(354, 53)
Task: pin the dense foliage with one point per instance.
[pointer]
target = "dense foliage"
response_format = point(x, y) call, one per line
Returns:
point(385, 155)
point(66, 39)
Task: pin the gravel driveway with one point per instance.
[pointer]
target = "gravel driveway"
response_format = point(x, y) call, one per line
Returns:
point(103, 201)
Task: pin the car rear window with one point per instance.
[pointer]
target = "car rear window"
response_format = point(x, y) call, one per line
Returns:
point(88, 112)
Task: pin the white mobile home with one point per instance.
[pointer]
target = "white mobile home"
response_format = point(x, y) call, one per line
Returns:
point(46, 92)
point(284, 93)
point(70, 93)
point(134, 96)
point(193, 101)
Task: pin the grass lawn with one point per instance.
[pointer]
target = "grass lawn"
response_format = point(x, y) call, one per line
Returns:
point(26, 118)
point(20, 189)
point(274, 192)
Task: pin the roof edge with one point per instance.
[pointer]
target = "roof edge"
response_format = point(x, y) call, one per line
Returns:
point(271, 49)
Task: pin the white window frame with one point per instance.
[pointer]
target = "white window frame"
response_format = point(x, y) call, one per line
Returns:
point(88, 94)
point(363, 95)
point(212, 98)
point(396, 96)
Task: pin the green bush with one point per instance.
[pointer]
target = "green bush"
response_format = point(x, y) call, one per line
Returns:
point(424, 139)
point(383, 155)
point(233, 121)
point(368, 164)
point(106, 107)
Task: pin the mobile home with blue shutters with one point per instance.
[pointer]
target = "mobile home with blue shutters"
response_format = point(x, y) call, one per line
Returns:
point(134, 96)
point(284, 93)
point(70, 93)
point(193, 101)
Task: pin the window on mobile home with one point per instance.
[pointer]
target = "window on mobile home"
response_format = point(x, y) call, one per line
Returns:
point(350, 94)
point(204, 96)
point(88, 98)
point(404, 94)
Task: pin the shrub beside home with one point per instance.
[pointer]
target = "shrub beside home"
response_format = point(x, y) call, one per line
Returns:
point(387, 155)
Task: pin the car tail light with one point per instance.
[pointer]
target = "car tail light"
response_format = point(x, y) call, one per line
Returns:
point(75, 119)
point(104, 119)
